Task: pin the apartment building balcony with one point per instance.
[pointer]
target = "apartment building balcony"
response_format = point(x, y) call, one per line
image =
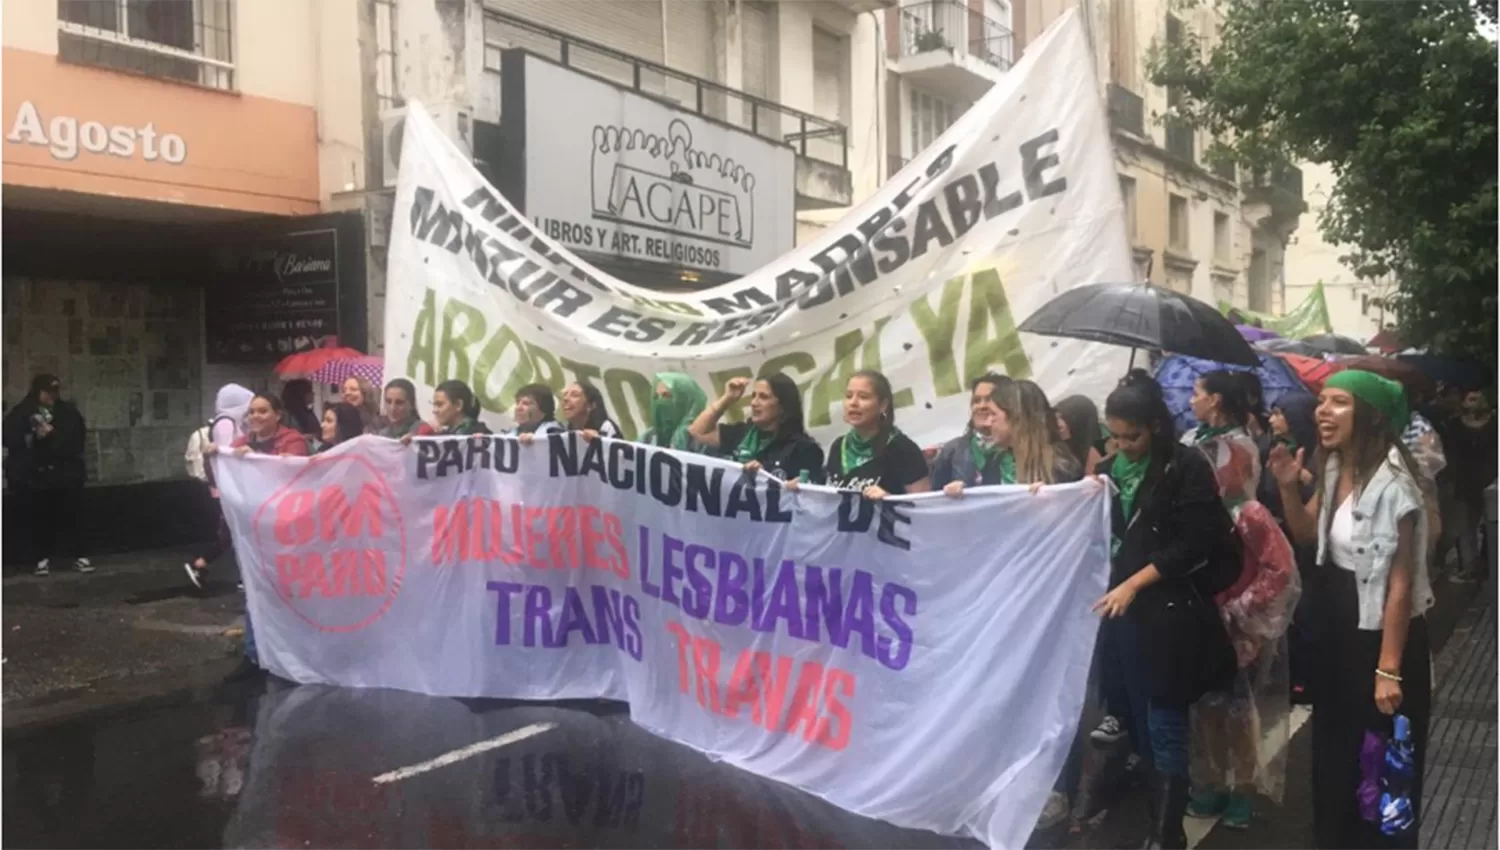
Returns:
point(821, 145)
point(1127, 111)
point(946, 46)
point(1273, 195)
point(859, 7)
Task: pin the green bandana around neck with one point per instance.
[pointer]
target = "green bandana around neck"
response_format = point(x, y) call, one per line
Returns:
point(1128, 476)
point(980, 452)
point(752, 445)
point(397, 430)
point(671, 416)
point(1007, 467)
point(1204, 433)
point(1383, 394)
point(855, 451)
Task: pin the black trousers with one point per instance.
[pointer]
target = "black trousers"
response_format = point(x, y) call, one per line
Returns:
point(52, 515)
point(1343, 686)
point(222, 540)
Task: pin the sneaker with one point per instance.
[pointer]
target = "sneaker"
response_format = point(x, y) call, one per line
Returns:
point(1108, 731)
point(43, 568)
point(1054, 812)
point(1237, 813)
point(82, 565)
point(1208, 804)
point(194, 574)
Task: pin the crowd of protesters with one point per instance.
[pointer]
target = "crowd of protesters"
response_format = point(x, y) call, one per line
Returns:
point(1331, 508)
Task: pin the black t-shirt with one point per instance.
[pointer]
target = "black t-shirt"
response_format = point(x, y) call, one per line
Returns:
point(786, 458)
point(900, 465)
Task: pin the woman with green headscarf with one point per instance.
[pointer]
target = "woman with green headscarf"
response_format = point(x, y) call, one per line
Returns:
point(1368, 590)
point(676, 402)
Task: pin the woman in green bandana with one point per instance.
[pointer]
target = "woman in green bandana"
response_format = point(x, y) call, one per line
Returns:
point(1369, 592)
point(1024, 445)
point(456, 410)
point(1222, 408)
point(1163, 644)
point(677, 403)
point(774, 439)
point(873, 456)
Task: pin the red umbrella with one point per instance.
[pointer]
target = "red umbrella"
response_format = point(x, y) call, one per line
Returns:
point(304, 363)
point(1313, 371)
point(1387, 341)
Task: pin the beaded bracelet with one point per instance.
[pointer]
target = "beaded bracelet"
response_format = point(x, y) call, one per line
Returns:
point(1385, 675)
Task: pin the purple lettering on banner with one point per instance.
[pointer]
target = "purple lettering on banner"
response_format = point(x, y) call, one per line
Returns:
point(825, 604)
point(897, 658)
point(574, 618)
point(633, 644)
point(670, 571)
point(646, 586)
point(607, 617)
point(758, 594)
point(502, 608)
point(785, 602)
point(698, 598)
point(731, 602)
point(859, 613)
point(539, 616)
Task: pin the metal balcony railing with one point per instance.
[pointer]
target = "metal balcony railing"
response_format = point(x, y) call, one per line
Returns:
point(809, 135)
point(1180, 139)
point(1127, 111)
point(950, 25)
point(1282, 175)
point(190, 41)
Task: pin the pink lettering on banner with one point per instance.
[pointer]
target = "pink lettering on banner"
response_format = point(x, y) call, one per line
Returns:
point(335, 553)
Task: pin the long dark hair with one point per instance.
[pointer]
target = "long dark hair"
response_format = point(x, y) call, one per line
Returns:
point(1253, 394)
point(883, 395)
point(789, 398)
point(1230, 389)
point(297, 396)
point(994, 379)
point(458, 392)
point(598, 413)
point(406, 388)
point(1083, 425)
point(43, 383)
point(1138, 400)
point(347, 421)
point(1371, 443)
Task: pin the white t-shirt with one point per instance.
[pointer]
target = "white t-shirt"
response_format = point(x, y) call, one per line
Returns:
point(1341, 535)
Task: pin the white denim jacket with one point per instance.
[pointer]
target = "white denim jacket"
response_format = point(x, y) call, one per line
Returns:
point(1391, 494)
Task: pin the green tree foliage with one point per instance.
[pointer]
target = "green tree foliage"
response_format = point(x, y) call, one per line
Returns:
point(1398, 98)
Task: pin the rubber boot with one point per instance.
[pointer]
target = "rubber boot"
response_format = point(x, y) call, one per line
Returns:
point(1169, 800)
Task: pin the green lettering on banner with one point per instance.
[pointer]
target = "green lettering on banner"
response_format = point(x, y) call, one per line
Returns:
point(489, 358)
point(585, 373)
point(989, 311)
point(937, 331)
point(617, 382)
point(547, 370)
point(453, 347)
point(421, 353)
point(871, 360)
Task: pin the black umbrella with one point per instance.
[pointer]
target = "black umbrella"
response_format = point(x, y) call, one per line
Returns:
point(1336, 344)
point(1291, 346)
point(1142, 316)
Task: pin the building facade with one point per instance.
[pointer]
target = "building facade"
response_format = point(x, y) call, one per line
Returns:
point(1356, 305)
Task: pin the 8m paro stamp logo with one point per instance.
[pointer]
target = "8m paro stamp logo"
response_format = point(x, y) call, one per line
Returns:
point(334, 543)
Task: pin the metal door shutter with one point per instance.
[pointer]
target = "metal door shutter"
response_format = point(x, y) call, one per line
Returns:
point(756, 33)
point(690, 37)
point(630, 26)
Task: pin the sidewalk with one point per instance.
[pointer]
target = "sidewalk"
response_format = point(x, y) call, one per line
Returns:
point(133, 629)
point(1461, 780)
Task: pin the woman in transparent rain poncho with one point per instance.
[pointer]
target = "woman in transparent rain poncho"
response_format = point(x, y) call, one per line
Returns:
point(1232, 757)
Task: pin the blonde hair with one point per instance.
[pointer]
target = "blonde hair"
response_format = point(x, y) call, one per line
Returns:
point(369, 405)
point(1032, 426)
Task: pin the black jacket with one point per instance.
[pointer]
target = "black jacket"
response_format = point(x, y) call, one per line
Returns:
point(1182, 527)
point(51, 462)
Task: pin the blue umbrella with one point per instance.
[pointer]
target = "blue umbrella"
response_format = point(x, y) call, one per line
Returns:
point(1178, 373)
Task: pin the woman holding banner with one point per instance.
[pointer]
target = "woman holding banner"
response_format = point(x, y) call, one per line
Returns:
point(401, 412)
point(675, 405)
point(1174, 549)
point(341, 423)
point(583, 410)
point(456, 410)
point(534, 412)
point(873, 456)
point(1024, 447)
point(966, 457)
point(775, 439)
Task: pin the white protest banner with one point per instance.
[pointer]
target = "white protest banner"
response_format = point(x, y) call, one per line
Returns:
point(881, 655)
point(925, 281)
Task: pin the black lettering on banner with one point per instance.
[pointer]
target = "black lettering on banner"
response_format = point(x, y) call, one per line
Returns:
point(1032, 167)
point(744, 300)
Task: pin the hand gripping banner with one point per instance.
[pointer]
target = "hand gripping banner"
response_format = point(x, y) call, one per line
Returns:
point(920, 660)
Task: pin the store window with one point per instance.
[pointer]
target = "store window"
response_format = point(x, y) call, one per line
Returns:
point(186, 40)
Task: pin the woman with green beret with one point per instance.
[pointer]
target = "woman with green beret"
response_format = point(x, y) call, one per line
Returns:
point(1369, 591)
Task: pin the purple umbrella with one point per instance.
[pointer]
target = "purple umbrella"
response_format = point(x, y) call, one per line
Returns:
point(1253, 334)
point(339, 371)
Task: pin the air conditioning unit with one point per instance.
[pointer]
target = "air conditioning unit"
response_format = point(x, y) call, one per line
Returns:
point(454, 120)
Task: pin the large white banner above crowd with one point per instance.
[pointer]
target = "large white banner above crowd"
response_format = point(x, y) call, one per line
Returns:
point(925, 281)
point(877, 654)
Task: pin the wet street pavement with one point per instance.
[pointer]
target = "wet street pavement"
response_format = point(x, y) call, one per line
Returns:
point(278, 765)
